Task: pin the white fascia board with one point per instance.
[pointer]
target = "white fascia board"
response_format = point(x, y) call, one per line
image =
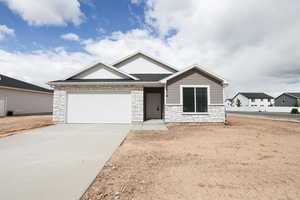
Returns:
point(145, 54)
point(97, 63)
point(225, 83)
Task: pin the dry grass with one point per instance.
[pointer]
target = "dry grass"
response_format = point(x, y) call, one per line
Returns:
point(248, 159)
point(13, 125)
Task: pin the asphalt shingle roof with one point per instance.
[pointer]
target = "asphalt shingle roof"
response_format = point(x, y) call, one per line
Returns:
point(295, 94)
point(151, 77)
point(256, 95)
point(6, 81)
point(141, 77)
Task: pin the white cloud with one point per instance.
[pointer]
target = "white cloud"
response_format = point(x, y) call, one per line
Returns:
point(47, 12)
point(136, 1)
point(5, 31)
point(70, 36)
point(39, 67)
point(100, 30)
point(252, 43)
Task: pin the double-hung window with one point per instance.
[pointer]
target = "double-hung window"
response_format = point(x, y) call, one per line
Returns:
point(195, 99)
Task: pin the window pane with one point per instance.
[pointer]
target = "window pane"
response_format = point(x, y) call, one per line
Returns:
point(201, 99)
point(188, 100)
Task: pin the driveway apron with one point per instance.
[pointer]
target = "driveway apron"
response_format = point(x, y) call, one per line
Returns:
point(56, 162)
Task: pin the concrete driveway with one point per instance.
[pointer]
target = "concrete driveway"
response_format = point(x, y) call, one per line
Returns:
point(56, 162)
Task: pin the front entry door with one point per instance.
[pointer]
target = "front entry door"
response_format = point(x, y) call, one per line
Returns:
point(153, 107)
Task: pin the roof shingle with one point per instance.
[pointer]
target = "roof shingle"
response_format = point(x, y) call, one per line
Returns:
point(6, 81)
point(141, 77)
point(294, 94)
point(256, 95)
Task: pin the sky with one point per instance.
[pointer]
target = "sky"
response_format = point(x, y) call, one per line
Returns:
point(253, 44)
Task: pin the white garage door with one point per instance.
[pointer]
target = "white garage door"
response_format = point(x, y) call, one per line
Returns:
point(99, 108)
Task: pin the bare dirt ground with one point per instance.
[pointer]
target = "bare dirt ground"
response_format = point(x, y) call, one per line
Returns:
point(13, 125)
point(248, 159)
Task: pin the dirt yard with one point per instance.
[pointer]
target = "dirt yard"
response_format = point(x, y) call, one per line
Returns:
point(13, 125)
point(248, 159)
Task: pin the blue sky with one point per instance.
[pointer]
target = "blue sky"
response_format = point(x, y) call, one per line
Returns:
point(101, 19)
point(254, 44)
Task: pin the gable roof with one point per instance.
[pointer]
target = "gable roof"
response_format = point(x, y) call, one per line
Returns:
point(168, 66)
point(291, 94)
point(254, 95)
point(9, 82)
point(212, 75)
point(106, 65)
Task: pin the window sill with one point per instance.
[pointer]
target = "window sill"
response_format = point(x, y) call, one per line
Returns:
point(195, 113)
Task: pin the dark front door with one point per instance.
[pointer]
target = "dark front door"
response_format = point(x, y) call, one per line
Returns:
point(153, 106)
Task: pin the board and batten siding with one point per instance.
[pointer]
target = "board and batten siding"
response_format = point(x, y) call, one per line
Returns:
point(193, 77)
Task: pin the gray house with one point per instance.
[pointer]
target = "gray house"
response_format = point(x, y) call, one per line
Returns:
point(139, 88)
point(289, 99)
point(19, 98)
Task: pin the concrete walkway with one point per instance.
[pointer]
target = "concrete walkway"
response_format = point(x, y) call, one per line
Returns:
point(56, 162)
point(153, 125)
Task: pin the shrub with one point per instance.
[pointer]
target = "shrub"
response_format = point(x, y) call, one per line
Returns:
point(294, 111)
point(296, 103)
point(238, 103)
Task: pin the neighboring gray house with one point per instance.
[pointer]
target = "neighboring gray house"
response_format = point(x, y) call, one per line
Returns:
point(288, 99)
point(19, 98)
point(139, 88)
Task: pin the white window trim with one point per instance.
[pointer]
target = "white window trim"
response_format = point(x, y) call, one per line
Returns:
point(195, 86)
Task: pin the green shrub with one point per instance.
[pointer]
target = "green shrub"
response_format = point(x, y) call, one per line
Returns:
point(294, 111)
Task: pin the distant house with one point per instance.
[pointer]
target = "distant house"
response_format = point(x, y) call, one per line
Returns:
point(18, 97)
point(228, 102)
point(252, 99)
point(288, 99)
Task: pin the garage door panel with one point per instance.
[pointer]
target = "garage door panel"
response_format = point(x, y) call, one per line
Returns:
point(99, 108)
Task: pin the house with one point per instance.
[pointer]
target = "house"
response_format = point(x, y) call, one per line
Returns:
point(289, 99)
point(228, 102)
point(139, 88)
point(252, 99)
point(19, 98)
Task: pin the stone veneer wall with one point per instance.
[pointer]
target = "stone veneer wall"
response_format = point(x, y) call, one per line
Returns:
point(173, 113)
point(60, 97)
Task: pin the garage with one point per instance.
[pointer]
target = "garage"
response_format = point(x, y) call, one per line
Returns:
point(104, 107)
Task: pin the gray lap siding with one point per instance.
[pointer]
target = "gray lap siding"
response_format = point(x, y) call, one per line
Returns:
point(193, 77)
point(174, 108)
